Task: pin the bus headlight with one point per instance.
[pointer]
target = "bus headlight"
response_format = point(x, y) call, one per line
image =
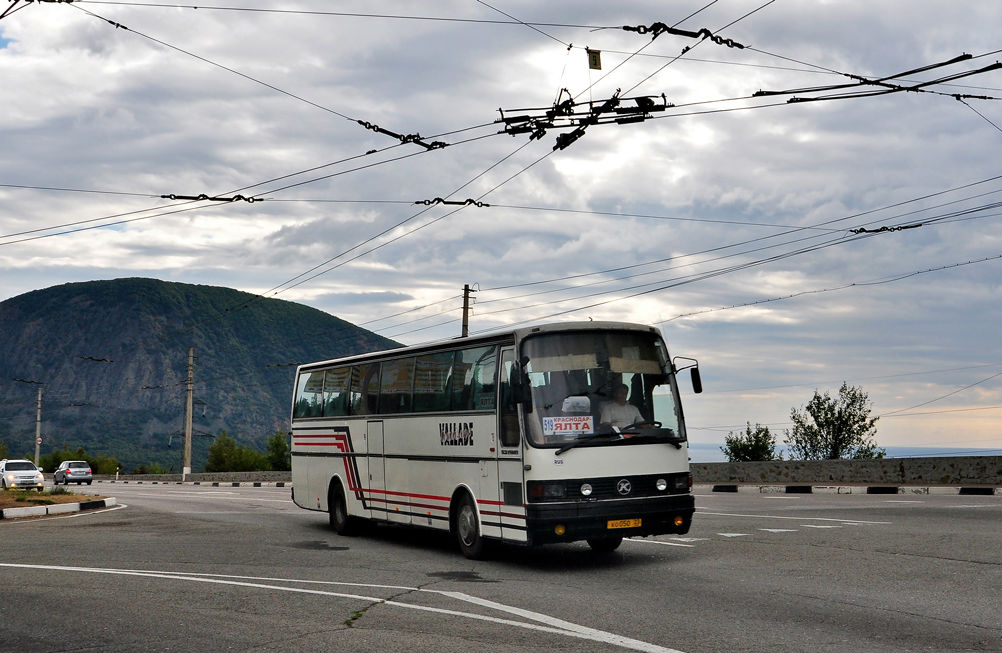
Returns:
point(586, 489)
point(540, 491)
point(661, 484)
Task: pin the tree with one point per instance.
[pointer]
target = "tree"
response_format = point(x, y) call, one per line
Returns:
point(279, 452)
point(833, 428)
point(226, 456)
point(759, 444)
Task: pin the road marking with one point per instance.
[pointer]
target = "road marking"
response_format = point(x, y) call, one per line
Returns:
point(779, 530)
point(800, 518)
point(661, 542)
point(819, 526)
point(547, 623)
point(733, 534)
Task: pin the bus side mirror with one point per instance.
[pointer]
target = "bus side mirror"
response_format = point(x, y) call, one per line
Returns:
point(697, 382)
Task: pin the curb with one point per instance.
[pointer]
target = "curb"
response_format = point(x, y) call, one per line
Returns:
point(56, 508)
point(851, 489)
point(208, 483)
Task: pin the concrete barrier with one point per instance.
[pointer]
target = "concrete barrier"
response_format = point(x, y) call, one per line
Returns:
point(976, 474)
point(971, 472)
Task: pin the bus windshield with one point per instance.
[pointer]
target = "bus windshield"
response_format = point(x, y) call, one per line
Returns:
point(601, 388)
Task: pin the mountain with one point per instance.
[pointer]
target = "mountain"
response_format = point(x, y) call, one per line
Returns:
point(113, 355)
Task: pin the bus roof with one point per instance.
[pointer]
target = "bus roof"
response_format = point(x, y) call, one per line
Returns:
point(504, 336)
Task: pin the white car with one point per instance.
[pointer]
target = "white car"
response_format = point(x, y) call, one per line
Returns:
point(20, 474)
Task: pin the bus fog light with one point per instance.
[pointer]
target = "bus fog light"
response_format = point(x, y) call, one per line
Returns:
point(661, 484)
point(586, 489)
point(559, 529)
point(679, 520)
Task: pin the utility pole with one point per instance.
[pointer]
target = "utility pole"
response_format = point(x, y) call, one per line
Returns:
point(38, 415)
point(466, 309)
point(38, 424)
point(186, 469)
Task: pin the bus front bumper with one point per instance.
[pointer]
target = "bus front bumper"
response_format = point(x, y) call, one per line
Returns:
point(569, 522)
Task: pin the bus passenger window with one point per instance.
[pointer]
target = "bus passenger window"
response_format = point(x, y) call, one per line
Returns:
point(308, 397)
point(397, 386)
point(431, 382)
point(364, 389)
point(336, 392)
point(477, 369)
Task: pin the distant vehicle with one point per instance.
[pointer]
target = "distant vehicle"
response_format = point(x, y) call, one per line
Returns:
point(20, 474)
point(77, 471)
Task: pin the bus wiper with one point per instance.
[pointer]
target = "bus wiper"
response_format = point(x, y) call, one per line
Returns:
point(574, 443)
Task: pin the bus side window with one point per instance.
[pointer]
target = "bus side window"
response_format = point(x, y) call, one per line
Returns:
point(431, 382)
point(308, 395)
point(336, 392)
point(397, 386)
point(364, 389)
point(477, 367)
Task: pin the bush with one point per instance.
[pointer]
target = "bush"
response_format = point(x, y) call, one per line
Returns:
point(755, 445)
point(226, 456)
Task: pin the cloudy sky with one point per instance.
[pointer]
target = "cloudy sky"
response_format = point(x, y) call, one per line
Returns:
point(789, 246)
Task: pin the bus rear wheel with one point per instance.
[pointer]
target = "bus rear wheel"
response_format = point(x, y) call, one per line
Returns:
point(604, 544)
point(471, 543)
point(337, 508)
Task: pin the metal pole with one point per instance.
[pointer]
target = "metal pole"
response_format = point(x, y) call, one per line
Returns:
point(186, 470)
point(466, 310)
point(38, 425)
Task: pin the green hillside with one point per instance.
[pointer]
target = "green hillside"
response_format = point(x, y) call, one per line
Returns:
point(112, 356)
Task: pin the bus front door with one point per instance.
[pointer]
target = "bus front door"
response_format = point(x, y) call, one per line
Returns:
point(509, 456)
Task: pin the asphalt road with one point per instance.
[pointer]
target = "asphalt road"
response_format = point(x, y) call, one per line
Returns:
point(181, 568)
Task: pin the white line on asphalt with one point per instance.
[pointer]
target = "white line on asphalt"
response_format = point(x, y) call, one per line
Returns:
point(801, 518)
point(661, 542)
point(549, 624)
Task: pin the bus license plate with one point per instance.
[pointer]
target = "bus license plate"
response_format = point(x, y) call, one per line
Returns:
point(624, 523)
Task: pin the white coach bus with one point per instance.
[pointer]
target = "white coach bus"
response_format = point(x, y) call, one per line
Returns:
point(552, 433)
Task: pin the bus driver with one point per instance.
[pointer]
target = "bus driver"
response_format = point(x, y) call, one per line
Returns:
point(618, 413)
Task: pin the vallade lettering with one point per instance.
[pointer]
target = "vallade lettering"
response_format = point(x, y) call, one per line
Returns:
point(456, 434)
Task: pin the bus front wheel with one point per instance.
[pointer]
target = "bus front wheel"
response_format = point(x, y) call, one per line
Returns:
point(337, 508)
point(471, 543)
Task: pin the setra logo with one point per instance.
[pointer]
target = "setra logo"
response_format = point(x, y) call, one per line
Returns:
point(623, 487)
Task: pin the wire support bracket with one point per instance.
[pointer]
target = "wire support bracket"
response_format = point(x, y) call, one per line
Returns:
point(659, 28)
point(207, 198)
point(864, 230)
point(404, 138)
point(467, 202)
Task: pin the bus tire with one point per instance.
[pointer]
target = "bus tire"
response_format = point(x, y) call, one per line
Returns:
point(337, 509)
point(604, 544)
point(471, 542)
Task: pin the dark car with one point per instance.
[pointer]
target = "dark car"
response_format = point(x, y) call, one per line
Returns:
point(77, 471)
point(20, 474)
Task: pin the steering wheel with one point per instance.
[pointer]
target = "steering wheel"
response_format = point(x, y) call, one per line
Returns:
point(633, 428)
